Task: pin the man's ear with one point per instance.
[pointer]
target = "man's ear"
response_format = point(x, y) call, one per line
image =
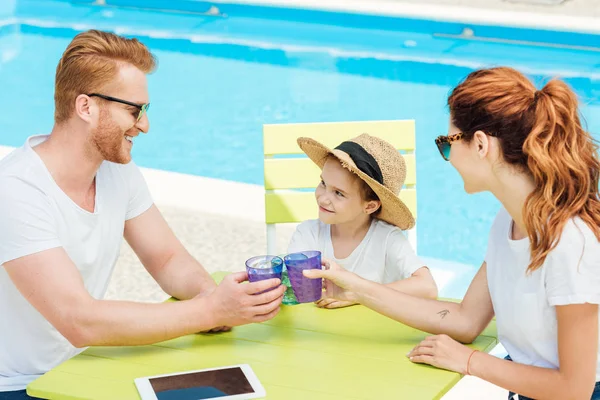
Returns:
point(85, 108)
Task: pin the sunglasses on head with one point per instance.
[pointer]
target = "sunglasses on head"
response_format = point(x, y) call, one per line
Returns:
point(444, 143)
point(142, 107)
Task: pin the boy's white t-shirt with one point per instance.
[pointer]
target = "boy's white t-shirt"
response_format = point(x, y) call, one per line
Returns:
point(525, 304)
point(384, 255)
point(36, 215)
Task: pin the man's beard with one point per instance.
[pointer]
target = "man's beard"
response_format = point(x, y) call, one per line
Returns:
point(109, 140)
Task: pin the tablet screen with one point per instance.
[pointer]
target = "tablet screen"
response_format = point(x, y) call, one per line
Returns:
point(202, 385)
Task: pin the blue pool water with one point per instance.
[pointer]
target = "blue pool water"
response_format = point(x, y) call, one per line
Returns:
point(220, 79)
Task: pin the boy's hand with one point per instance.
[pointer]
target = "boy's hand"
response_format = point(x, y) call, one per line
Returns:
point(333, 303)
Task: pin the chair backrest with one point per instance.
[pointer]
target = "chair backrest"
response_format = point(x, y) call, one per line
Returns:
point(287, 170)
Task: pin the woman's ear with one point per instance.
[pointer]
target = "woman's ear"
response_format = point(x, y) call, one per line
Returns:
point(482, 143)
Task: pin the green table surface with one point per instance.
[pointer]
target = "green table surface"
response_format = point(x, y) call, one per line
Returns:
point(303, 353)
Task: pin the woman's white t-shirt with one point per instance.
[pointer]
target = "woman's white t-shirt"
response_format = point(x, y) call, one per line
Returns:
point(384, 255)
point(525, 304)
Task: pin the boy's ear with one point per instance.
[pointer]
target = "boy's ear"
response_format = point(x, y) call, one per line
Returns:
point(372, 206)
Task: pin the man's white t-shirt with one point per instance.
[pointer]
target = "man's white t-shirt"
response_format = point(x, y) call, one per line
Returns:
point(384, 255)
point(36, 215)
point(525, 304)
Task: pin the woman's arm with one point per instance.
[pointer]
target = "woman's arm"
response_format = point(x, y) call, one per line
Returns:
point(420, 284)
point(462, 321)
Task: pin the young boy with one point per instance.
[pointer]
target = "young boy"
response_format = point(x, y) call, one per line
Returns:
point(361, 217)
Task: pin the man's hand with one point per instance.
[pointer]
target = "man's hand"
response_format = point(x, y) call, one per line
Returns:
point(218, 328)
point(237, 303)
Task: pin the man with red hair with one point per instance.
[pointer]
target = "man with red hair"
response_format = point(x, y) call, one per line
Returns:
point(67, 201)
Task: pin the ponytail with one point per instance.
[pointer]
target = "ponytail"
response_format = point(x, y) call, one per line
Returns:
point(562, 158)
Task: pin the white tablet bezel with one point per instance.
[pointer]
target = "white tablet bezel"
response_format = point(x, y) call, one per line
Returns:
point(147, 392)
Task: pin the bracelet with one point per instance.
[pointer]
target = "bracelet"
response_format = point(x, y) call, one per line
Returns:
point(469, 361)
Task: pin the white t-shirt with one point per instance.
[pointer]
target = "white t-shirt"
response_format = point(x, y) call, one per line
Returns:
point(525, 304)
point(383, 256)
point(36, 215)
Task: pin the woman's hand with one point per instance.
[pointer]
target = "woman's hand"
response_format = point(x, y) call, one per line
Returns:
point(441, 351)
point(339, 283)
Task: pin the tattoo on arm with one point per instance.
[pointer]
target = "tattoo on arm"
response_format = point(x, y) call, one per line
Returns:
point(443, 313)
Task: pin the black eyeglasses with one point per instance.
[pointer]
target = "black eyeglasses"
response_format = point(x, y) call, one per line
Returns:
point(444, 143)
point(142, 107)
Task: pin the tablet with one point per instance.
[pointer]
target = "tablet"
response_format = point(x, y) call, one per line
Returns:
point(227, 383)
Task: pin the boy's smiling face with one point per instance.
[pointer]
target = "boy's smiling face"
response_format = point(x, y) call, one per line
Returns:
point(339, 195)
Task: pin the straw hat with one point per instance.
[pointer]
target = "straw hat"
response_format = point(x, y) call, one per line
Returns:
point(380, 165)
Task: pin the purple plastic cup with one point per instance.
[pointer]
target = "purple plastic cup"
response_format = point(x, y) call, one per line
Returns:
point(305, 289)
point(261, 268)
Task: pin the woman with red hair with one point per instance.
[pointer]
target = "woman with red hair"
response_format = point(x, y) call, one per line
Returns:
point(541, 274)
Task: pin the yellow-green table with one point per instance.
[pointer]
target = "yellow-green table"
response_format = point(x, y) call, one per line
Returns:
point(303, 353)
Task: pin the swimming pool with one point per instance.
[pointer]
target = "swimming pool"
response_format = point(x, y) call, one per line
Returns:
point(220, 78)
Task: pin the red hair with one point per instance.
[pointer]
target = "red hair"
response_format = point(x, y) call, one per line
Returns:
point(540, 132)
point(91, 61)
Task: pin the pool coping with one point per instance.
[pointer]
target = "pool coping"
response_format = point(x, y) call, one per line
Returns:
point(448, 20)
point(439, 12)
